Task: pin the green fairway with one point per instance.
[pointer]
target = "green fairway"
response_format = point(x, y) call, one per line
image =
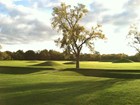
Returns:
point(58, 83)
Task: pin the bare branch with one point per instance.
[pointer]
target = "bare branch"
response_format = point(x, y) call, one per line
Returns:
point(134, 36)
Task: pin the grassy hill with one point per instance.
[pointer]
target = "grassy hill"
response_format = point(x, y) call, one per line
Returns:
point(58, 83)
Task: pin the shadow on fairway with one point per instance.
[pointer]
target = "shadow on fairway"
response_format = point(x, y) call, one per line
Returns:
point(124, 74)
point(58, 93)
point(20, 70)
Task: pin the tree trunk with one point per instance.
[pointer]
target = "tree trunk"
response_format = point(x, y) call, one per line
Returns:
point(77, 62)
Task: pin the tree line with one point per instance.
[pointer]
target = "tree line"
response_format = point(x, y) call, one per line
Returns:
point(55, 55)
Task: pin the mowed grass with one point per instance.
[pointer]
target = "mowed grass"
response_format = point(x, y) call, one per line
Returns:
point(58, 83)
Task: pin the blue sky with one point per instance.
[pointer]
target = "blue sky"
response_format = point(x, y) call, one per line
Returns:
point(26, 24)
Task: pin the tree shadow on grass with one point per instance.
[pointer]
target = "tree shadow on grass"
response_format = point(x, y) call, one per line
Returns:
point(60, 93)
point(124, 74)
point(20, 70)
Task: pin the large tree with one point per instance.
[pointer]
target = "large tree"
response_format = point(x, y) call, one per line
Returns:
point(66, 19)
point(134, 37)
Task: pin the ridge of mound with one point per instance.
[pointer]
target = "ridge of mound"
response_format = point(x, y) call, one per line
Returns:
point(48, 63)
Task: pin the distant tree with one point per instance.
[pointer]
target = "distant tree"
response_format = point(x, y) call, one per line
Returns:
point(5, 56)
point(18, 55)
point(113, 57)
point(134, 37)
point(55, 55)
point(44, 55)
point(30, 55)
point(137, 56)
point(10, 54)
point(66, 20)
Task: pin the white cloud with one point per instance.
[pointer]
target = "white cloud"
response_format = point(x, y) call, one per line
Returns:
point(20, 24)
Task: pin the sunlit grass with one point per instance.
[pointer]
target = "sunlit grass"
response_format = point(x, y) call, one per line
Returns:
point(110, 65)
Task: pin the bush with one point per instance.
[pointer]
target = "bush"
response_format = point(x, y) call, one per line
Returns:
point(123, 61)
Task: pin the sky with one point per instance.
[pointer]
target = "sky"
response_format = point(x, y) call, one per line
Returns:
point(26, 24)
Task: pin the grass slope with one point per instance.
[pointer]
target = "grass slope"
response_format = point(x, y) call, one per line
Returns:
point(29, 83)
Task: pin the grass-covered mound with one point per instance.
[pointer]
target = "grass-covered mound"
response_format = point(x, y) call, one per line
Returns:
point(123, 61)
point(48, 63)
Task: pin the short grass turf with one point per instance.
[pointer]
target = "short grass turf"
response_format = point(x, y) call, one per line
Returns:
point(58, 83)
